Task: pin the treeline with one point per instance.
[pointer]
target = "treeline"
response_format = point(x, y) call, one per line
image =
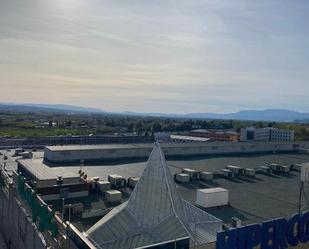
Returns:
point(44, 124)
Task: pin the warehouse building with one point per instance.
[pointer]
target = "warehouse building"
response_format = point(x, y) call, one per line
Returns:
point(238, 199)
point(155, 215)
point(112, 152)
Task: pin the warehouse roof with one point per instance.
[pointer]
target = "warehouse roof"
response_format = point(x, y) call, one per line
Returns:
point(43, 172)
point(190, 138)
point(97, 147)
point(154, 213)
point(144, 145)
point(252, 199)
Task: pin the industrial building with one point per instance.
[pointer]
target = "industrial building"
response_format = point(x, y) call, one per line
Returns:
point(103, 199)
point(112, 152)
point(266, 134)
point(40, 142)
point(216, 135)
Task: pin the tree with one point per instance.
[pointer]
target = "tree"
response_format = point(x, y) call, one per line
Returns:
point(156, 127)
point(130, 127)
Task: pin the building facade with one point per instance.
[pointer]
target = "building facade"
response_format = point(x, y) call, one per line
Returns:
point(266, 134)
point(215, 135)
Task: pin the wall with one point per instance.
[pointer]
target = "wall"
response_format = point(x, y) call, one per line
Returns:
point(16, 225)
point(39, 142)
point(172, 150)
point(17, 228)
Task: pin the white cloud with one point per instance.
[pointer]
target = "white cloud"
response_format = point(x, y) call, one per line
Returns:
point(177, 56)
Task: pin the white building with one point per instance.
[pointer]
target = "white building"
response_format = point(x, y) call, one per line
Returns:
point(266, 134)
point(277, 135)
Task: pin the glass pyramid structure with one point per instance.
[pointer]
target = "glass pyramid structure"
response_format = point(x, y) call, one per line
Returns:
point(155, 213)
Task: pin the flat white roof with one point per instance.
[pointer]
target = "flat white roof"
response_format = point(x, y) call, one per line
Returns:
point(97, 147)
point(233, 167)
point(113, 191)
point(43, 172)
point(189, 170)
point(190, 138)
point(182, 174)
point(212, 190)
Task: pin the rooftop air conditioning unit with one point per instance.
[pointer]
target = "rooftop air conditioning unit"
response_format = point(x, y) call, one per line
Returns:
point(182, 178)
point(113, 196)
point(191, 172)
point(237, 170)
point(265, 169)
point(285, 169)
point(117, 181)
point(206, 176)
point(227, 173)
point(249, 172)
point(104, 186)
point(212, 197)
point(132, 181)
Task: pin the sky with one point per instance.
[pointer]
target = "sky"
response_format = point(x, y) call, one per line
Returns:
point(170, 56)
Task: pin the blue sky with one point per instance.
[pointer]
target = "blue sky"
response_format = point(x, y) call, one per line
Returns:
point(156, 56)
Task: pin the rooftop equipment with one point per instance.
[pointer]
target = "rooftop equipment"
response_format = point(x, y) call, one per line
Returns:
point(278, 168)
point(212, 197)
point(96, 178)
point(94, 182)
point(182, 178)
point(275, 167)
point(237, 170)
point(104, 186)
point(236, 222)
point(113, 196)
point(191, 172)
point(76, 208)
point(285, 169)
point(249, 172)
point(265, 169)
point(132, 181)
point(18, 151)
point(117, 181)
point(227, 173)
point(26, 155)
point(206, 176)
point(59, 180)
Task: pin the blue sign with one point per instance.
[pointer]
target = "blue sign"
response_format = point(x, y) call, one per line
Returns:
point(274, 234)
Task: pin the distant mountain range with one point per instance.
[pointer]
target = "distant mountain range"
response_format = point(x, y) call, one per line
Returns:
point(48, 108)
point(278, 115)
point(258, 115)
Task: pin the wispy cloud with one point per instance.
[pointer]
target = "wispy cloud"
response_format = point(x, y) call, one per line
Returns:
point(177, 56)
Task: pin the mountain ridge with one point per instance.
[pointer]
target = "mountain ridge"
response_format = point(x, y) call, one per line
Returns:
point(48, 107)
point(279, 115)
